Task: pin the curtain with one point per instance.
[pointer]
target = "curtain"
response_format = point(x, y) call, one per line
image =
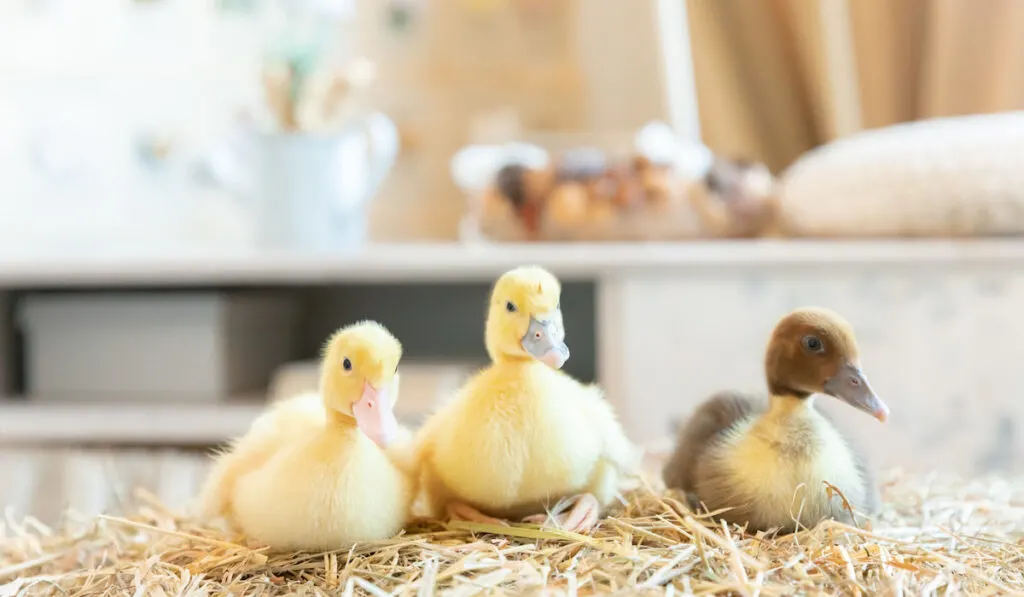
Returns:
point(776, 78)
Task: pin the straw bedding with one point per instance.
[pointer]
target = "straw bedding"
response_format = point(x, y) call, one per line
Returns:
point(936, 535)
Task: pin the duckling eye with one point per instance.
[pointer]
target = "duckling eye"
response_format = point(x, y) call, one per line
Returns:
point(346, 364)
point(813, 344)
point(537, 335)
point(510, 307)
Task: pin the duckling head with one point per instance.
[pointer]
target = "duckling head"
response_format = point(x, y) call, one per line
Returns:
point(813, 350)
point(358, 375)
point(524, 318)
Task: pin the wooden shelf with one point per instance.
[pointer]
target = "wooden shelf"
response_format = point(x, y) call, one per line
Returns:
point(452, 262)
point(24, 422)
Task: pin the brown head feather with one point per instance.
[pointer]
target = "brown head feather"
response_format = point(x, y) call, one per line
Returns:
point(792, 366)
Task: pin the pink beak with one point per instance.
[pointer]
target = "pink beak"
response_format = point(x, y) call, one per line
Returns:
point(374, 413)
point(555, 358)
point(881, 412)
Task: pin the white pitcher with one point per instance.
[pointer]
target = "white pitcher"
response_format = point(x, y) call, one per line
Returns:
point(312, 191)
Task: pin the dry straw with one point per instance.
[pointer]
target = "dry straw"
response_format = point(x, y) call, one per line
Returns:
point(936, 536)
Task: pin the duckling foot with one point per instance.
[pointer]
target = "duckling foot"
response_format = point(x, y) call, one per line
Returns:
point(582, 517)
point(461, 511)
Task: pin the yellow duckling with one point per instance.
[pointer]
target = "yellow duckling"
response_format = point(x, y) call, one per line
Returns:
point(521, 435)
point(312, 473)
point(770, 467)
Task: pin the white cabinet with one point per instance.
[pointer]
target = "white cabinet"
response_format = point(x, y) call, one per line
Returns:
point(939, 343)
point(938, 324)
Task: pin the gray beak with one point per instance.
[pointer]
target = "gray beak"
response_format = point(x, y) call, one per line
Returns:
point(851, 386)
point(545, 340)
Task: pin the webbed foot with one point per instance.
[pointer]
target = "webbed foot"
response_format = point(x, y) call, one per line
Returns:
point(462, 511)
point(580, 518)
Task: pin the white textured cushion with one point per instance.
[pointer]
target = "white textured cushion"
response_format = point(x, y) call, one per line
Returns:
point(961, 176)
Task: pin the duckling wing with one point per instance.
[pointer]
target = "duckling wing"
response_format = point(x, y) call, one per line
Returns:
point(287, 418)
point(617, 448)
point(422, 441)
point(403, 451)
point(705, 426)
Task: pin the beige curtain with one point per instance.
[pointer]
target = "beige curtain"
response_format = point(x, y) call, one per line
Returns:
point(778, 77)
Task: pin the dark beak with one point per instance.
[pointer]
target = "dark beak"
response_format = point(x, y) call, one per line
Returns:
point(851, 386)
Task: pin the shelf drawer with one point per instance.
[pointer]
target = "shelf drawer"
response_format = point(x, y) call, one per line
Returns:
point(142, 346)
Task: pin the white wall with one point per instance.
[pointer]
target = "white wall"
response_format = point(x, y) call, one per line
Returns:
point(84, 80)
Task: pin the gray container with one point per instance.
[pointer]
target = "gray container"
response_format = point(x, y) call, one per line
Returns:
point(202, 346)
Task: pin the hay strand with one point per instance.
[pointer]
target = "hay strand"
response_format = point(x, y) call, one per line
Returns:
point(936, 535)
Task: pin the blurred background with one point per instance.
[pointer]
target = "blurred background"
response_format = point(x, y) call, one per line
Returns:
point(195, 193)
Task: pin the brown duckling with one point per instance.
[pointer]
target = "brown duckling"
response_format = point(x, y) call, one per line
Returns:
point(769, 465)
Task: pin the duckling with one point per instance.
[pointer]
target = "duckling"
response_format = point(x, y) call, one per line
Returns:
point(314, 472)
point(769, 466)
point(521, 435)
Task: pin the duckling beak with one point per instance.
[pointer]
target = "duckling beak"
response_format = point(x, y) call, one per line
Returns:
point(375, 416)
point(851, 386)
point(545, 340)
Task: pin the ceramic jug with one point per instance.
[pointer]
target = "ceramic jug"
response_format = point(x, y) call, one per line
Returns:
point(312, 191)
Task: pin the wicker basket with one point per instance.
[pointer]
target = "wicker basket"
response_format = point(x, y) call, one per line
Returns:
point(685, 205)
